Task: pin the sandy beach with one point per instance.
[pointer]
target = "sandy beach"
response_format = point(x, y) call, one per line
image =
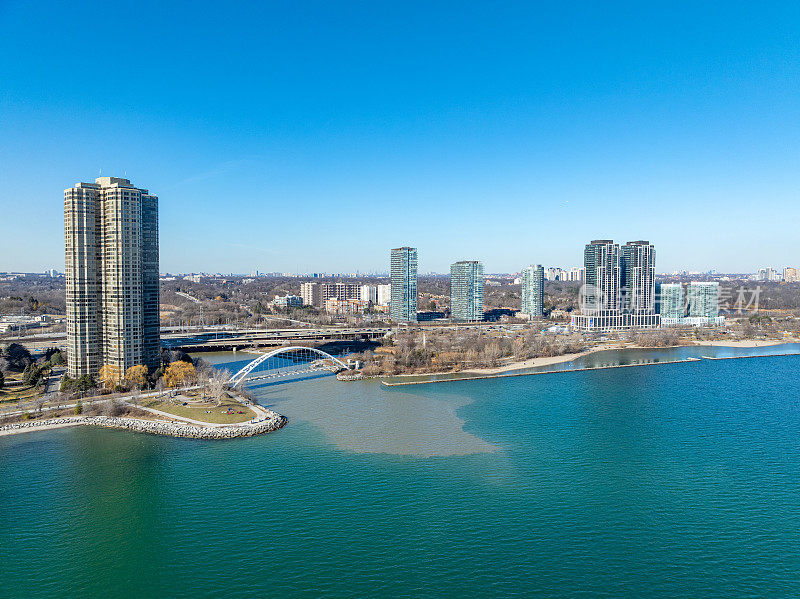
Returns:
point(533, 362)
point(511, 365)
point(546, 361)
point(746, 343)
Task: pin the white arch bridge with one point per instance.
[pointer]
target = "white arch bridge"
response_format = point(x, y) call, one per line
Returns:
point(286, 361)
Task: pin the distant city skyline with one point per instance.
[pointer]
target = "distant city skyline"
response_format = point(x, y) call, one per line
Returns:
point(315, 139)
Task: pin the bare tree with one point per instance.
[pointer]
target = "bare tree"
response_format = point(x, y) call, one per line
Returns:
point(136, 396)
point(113, 407)
point(39, 403)
point(492, 353)
point(217, 385)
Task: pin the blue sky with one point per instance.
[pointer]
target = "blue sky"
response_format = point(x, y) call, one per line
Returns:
point(316, 136)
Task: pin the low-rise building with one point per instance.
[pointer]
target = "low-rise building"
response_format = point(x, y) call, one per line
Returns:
point(288, 301)
point(338, 306)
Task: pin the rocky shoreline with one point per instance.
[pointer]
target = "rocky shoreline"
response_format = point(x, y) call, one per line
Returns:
point(272, 422)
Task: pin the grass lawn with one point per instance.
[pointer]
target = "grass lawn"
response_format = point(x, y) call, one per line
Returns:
point(14, 394)
point(203, 411)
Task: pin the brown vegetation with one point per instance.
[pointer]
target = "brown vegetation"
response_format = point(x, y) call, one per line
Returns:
point(452, 350)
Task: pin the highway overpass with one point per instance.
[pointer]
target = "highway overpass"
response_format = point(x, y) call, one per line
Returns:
point(225, 339)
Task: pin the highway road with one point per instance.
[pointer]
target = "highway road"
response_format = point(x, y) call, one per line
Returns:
point(224, 337)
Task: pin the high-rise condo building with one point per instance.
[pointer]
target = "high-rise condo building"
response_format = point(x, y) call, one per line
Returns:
point(111, 254)
point(369, 294)
point(403, 305)
point(340, 291)
point(316, 294)
point(603, 276)
point(576, 274)
point(384, 294)
point(703, 299)
point(619, 290)
point(768, 274)
point(638, 277)
point(533, 291)
point(466, 291)
point(671, 302)
point(311, 294)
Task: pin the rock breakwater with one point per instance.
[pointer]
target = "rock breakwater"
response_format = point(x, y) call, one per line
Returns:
point(271, 422)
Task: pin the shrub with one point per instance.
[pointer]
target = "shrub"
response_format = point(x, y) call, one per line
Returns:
point(79, 407)
point(113, 408)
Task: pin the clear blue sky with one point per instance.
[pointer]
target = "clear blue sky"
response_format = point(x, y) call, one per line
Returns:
point(317, 136)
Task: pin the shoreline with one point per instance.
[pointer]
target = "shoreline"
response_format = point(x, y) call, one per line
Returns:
point(519, 365)
point(517, 374)
point(550, 360)
point(534, 362)
point(529, 363)
point(746, 343)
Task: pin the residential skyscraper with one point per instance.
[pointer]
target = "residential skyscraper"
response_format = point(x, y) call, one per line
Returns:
point(311, 293)
point(671, 302)
point(620, 286)
point(576, 274)
point(768, 274)
point(533, 290)
point(403, 305)
point(703, 299)
point(112, 294)
point(316, 294)
point(384, 294)
point(638, 277)
point(466, 291)
point(369, 294)
point(603, 276)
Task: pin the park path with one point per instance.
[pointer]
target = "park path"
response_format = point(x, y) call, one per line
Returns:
point(261, 414)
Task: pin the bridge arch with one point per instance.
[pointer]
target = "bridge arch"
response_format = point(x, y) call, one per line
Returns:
point(237, 379)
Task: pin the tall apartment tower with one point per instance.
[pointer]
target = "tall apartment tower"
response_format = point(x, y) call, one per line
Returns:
point(620, 286)
point(384, 294)
point(638, 277)
point(111, 255)
point(369, 294)
point(671, 304)
point(703, 299)
point(310, 292)
point(603, 276)
point(533, 291)
point(466, 291)
point(403, 305)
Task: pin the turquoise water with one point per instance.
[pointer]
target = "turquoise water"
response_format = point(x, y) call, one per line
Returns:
point(658, 481)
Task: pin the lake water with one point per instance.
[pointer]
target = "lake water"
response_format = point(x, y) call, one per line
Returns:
point(653, 481)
